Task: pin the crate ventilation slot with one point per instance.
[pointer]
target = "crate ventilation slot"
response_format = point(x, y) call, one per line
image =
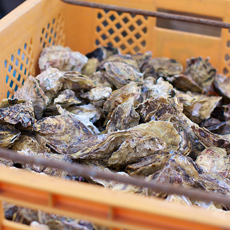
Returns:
point(53, 32)
point(122, 30)
point(18, 67)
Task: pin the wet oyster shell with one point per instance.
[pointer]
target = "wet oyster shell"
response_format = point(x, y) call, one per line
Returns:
point(17, 112)
point(62, 131)
point(214, 160)
point(67, 98)
point(8, 135)
point(149, 165)
point(141, 58)
point(51, 81)
point(123, 117)
point(201, 72)
point(198, 107)
point(62, 58)
point(75, 81)
point(120, 74)
point(222, 86)
point(32, 91)
point(97, 96)
point(103, 52)
point(90, 67)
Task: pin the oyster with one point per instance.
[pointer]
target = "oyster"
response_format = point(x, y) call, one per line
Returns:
point(51, 81)
point(201, 72)
point(97, 96)
point(149, 165)
point(66, 98)
point(61, 131)
point(185, 83)
point(120, 74)
point(103, 52)
point(128, 92)
point(17, 112)
point(178, 199)
point(198, 107)
point(90, 67)
point(163, 67)
point(142, 58)
point(31, 142)
point(62, 58)
point(100, 80)
point(221, 86)
point(127, 59)
point(212, 140)
point(8, 135)
point(76, 81)
point(32, 91)
point(123, 117)
point(214, 160)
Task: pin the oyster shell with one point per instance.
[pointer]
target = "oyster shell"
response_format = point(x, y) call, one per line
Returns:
point(90, 67)
point(127, 59)
point(75, 81)
point(149, 164)
point(185, 83)
point(97, 96)
point(163, 67)
point(62, 131)
point(51, 81)
point(141, 58)
point(17, 112)
point(178, 199)
point(66, 98)
point(103, 52)
point(201, 72)
point(100, 80)
point(62, 58)
point(128, 92)
point(120, 74)
point(222, 85)
point(32, 91)
point(212, 140)
point(198, 107)
point(214, 160)
point(123, 117)
point(8, 135)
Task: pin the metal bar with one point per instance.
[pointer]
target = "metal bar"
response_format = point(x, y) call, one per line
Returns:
point(91, 172)
point(149, 13)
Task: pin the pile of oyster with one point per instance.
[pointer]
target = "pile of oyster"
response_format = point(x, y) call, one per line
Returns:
point(130, 114)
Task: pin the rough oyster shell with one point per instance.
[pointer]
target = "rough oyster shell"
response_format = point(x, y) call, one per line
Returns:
point(62, 131)
point(127, 59)
point(149, 165)
point(123, 117)
point(214, 160)
point(100, 80)
point(163, 66)
point(17, 112)
point(32, 91)
point(62, 58)
point(120, 74)
point(8, 135)
point(198, 107)
point(75, 81)
point(128, 92)
point(178, 199)
point(201, 72)
point(67, 98)
point(97, 96)
point(222, 86)
point(51, 81)
point(142, 58)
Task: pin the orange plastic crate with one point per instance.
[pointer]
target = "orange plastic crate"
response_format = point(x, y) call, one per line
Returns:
point(40, 23)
